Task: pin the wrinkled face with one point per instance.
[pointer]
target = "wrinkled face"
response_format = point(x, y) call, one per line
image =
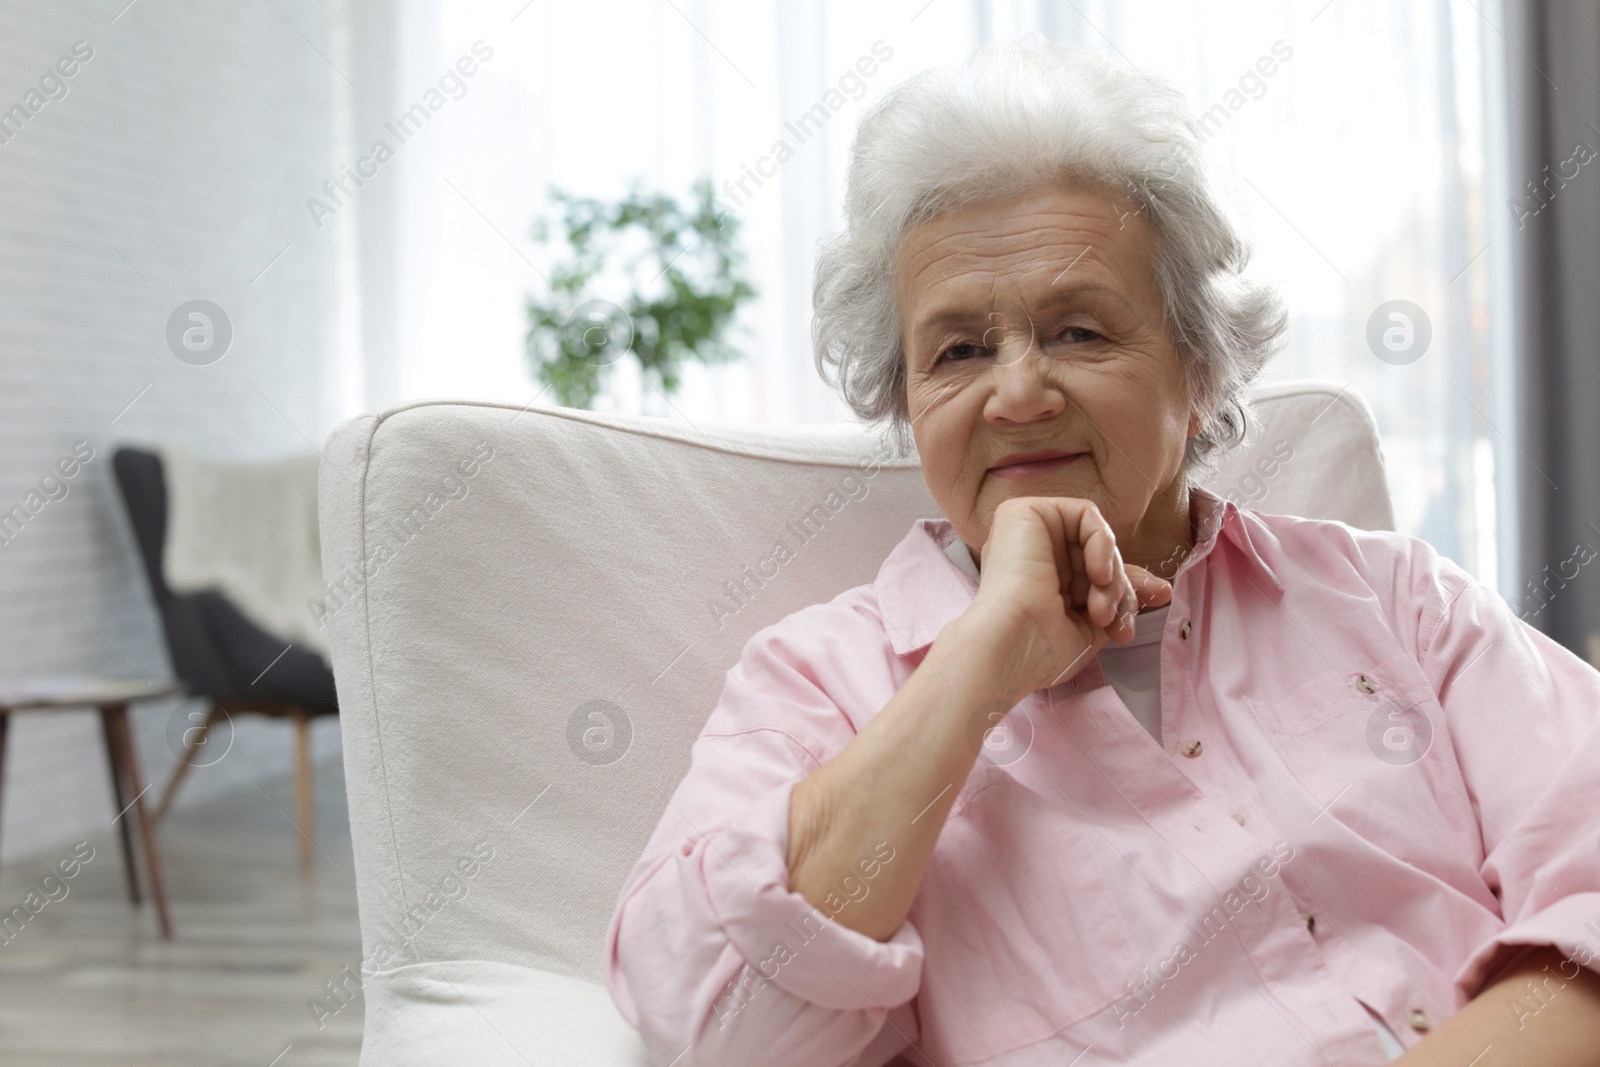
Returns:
point(1034, 325)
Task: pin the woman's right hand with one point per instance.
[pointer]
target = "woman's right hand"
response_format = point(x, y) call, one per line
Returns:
point(1053, 591)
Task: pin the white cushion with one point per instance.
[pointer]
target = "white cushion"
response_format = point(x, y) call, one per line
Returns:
point(491, 1014)
point(524, 653)
point(1336, 469)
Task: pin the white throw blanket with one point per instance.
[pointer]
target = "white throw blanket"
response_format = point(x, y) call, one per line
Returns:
point(249, 531)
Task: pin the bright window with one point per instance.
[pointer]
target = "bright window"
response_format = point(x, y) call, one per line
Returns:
point(1365, 164)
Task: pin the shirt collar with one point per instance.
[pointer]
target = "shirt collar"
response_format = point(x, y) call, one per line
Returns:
point(920, 588)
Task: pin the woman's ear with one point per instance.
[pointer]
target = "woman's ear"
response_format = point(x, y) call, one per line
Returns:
point(1197, 420)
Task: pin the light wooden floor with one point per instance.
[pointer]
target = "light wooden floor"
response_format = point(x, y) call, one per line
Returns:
point(89, 983)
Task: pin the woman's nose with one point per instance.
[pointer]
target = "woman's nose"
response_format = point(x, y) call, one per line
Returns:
point(1023, 391)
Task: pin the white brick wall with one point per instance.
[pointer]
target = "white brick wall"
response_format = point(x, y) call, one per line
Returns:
point(187, 147)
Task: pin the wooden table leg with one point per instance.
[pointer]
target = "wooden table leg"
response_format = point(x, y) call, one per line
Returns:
point(302, 737)
point(121, 797)
point(117, 716)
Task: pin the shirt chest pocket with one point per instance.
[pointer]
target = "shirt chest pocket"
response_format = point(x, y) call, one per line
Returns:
point(1373, 744)
point(1395, 696)
point(1022, 934)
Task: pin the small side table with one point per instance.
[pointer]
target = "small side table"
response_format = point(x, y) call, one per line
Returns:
point(111, 697)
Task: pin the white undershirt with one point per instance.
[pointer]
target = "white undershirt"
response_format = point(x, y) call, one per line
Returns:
point(1133, 671)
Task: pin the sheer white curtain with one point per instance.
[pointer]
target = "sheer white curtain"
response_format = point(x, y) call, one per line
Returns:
point(1366, 164)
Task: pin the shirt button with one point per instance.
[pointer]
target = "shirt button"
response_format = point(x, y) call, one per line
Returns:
point(1190, 748)
point(1183, 631)
point(1311, 923)
point(1366, 685)
point(1238, 818)
point(1419, 1021)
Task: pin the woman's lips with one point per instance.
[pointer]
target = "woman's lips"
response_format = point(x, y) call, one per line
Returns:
point(1016, 471)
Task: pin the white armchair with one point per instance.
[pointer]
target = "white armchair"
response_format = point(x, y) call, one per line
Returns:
point(531, 615)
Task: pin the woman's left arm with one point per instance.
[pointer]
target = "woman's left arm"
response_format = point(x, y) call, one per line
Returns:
point(1522, 715)
point(1554, 1022)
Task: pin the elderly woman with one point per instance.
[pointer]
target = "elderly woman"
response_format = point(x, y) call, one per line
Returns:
point(1101, 768)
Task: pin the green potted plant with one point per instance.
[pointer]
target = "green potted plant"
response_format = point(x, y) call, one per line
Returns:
point(644, 275)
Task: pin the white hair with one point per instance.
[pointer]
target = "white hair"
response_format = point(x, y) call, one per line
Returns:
point(1016, 119)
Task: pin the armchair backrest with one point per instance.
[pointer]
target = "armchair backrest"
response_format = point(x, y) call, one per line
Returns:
point(143, 488)
point(216, 651)
point(532, 611)
point(197, 661)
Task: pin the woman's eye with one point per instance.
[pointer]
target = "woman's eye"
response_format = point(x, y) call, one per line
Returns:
point(961, 352)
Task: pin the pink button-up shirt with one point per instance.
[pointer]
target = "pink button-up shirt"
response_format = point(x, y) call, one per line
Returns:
point(1374, 788)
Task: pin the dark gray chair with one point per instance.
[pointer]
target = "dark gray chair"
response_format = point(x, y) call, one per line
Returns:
point(217, 654)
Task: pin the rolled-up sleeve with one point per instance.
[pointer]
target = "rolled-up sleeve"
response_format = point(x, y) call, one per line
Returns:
point(709, 954)
point(1523, 715)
